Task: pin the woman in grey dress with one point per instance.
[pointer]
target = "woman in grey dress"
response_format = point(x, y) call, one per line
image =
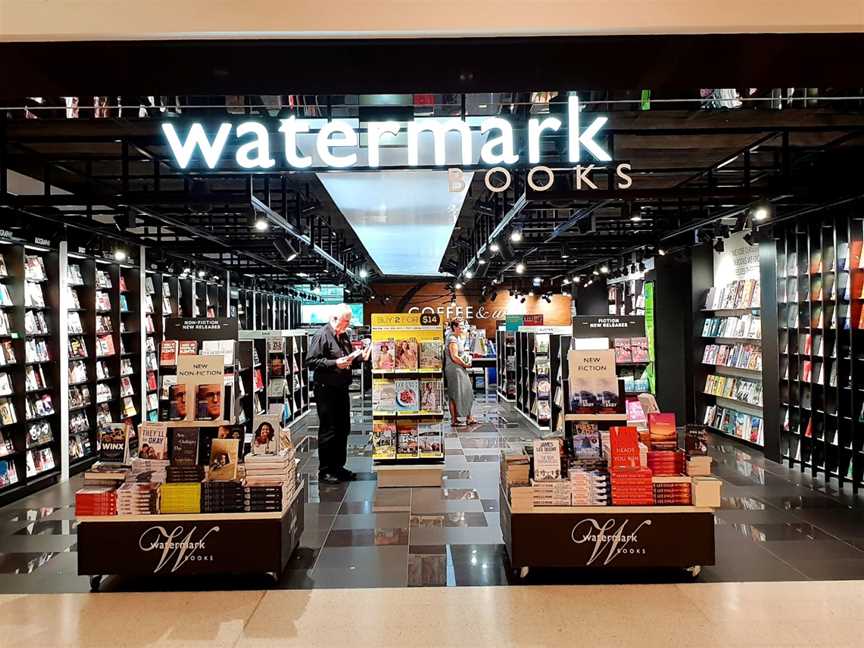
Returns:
point(459, 390)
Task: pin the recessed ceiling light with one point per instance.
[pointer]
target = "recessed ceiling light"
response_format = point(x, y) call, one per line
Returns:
point(516, 235)
point(468, 274)
point(604, 269)
point(520, 268)
point(261, 224)
point(493, 246)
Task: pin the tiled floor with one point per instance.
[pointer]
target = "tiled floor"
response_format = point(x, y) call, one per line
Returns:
point(744, 615)
point(775, 525)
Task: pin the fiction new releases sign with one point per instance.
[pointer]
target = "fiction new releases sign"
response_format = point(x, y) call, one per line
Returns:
point(337, 143)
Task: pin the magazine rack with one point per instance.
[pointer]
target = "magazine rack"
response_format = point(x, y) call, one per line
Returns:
point(408, 441)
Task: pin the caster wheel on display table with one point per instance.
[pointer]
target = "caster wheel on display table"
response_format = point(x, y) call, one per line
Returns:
point(95, 582)
point(694, 571)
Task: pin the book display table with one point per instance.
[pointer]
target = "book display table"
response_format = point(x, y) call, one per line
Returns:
point(192, 544)
point(608, 537)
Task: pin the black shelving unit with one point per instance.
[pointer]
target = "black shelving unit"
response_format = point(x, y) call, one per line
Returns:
point(505, 341)
point(820, 291)
point(528, 376)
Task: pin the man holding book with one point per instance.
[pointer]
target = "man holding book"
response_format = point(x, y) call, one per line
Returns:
point(332, 357)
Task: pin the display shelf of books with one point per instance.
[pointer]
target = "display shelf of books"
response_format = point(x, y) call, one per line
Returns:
point(41, 378)
point(820, 290)
point(537, 367)
point(729, 372)
point(407, 389)
point(631, 477)
point(193, 470)
point(297, 347)
point(506, 342)
point(129, 301)
point(153, 327)
point(81, 343)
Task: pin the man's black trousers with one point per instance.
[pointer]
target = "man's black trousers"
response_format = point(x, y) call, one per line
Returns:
point(334, 425)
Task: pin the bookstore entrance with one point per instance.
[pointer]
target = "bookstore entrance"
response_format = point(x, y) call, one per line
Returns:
point(593, 334)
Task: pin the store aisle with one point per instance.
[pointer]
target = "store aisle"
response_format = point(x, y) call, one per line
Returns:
point(774, 525)
point(722, 614)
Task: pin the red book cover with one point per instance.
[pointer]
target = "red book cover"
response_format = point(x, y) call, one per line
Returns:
point(662, 428)
point(624, 446)
point(808, 344)
point(854, 254)
point(188, 347)
point(151, 380)
point(168, 356)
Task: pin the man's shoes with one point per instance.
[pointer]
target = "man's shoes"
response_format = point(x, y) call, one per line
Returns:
point(328, 478)
point(346, 475)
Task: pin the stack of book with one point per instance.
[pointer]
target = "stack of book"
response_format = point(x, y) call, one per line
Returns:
point(259, 499)
point(267, 475)
point(181, 498)
point(672, 491)
point(666, 462)
point(515, 469)
point(521, 499)
point(96, 500)
point(181, 474)
point(589, 488)
point(149, 470)
point(632, 487)
point(699, 466)
point(138, 499)
point(222, 497)
point(551, 492)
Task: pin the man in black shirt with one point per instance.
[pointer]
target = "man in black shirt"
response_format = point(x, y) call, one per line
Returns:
point(332, 357)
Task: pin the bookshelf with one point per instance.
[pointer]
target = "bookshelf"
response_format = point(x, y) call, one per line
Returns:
point(820, 291)
point(81, 349)
point(538, 356)
point(29, 376)
point(506, 364)
point(728, 363)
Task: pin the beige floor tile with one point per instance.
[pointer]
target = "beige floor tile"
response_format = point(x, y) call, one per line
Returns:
point(119, 620)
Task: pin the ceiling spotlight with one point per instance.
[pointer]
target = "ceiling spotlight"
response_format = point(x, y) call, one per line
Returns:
point(493, 247)
point(635, 218)
point(468, 274)
point(187, 270)
point(596, 272)
point(661, 251)
point(481, 261)
point(761, 212)
point(565, 282)
point(458, 286)
point(548, 298)
point(522, 299)
point(537, 281)
point(202, 273)
point(718, 245)
point(119, 255)
point(565, 253)
point(604, 269)
point(516, 235)
point(530, 293)
point(262, 224)
point(364, 273)
point(577, 279)
point(520, 268)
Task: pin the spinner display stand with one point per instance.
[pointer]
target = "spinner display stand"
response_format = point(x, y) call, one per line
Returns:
point(194, 543)
point(407, 399)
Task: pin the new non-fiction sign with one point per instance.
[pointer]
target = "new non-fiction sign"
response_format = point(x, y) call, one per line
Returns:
point(610, 326)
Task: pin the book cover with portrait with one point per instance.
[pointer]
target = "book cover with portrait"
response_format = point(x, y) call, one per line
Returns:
point(224, 457)
point(406, 355)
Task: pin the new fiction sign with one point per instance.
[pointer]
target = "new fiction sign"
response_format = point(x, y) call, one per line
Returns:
point(338, 143)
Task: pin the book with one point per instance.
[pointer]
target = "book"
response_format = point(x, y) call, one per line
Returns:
point(547, 459)
point(623, 353)
point(113, 443)
point(153, 441)
point(430, 439)
point(586, 440)
point(662, 430)
point(187, 347)
point(265, 434)
point(168, 353)
point(407, 354)
point(224, 457)
point(624, 447)
point(184, 447)
point(384, 354)
point(383, 439)
point(407, 395)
